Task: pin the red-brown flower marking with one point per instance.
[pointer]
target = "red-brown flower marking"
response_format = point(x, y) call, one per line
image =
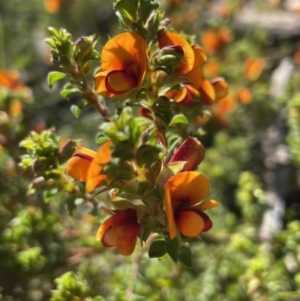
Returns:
point(182, 196)
point(191, 68)
point(85, 165)
point(120, 231)
point(191, 151)
point(185, 95)
point(124, 65)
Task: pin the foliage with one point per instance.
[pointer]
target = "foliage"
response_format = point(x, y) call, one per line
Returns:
point(49, 220)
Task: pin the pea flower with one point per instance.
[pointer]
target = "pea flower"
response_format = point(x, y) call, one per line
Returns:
point(193, 57)
point(120, 231)
point(85, 165)
point(191, 150)
point(124, 65)
point(182, 195)
point(191, 68)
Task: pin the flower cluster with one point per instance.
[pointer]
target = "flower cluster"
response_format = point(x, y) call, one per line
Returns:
point(147, 162)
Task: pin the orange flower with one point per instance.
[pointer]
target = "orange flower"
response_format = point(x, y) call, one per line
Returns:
point(211, 91)
point(244, 95)
point(15, 108)
point(212, 67)
point(120, 231)
point(10, 79)
point(191, 68)
point(52, 6)
point(85, 165)
point(124, 65)
point(182, 195)
point(191, 151)
point(210, 41)
point(253, 68)
point(185, 95)
point(296, 57)
point(193, 57)
point(224, 108)
point(213, 41)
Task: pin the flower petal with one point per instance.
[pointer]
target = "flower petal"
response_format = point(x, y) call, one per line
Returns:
point(85, 152)
point(244, 95)
point(122, 53)
point(169, 212)
point(126, 229)
point(170, 39)
point(119, 82)
point(195, 77)
point(200, 56)
point(207, 221)
point(103, 228)
point(78, 167)
point(108, 239)
point(100, 86)
point(207, 204)
point(191, 151)
point(94, 178)
point(253, 68)
point(177, 95)
point(221, 87)
point(189, 223)
point(207, 91)
point(188, 188)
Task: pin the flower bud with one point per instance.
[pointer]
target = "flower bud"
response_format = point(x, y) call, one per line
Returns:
point(220, 86)
point(191, 151)
point(84, 47)
point(170, 55)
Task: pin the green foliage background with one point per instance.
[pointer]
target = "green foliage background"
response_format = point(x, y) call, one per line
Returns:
point(46, 254)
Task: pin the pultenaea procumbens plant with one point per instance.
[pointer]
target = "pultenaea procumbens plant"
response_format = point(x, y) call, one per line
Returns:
point(154, 80)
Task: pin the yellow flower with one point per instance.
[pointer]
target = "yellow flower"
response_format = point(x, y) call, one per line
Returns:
point(120, 231)
point(86, 165)
point(124, 65)
point(182, 195)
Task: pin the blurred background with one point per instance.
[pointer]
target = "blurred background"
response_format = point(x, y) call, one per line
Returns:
point(252, 159)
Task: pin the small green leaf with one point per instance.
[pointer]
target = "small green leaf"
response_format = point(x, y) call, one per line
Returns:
point(157, 249)
point(101, 138)
point(68, 90)
point(147, 7)
point(55, 76)
point(48, 195)
point(185, 256)
point(70, 202)
point(127, 10)
point(122, 205)
point(172, 249)
point(51, 42)
point(178, 119)
point(53, 31)
point(76, 111)
point(146, 155)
